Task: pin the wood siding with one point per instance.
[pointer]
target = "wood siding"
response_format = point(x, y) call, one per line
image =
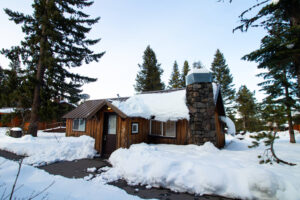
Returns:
point(220, 131)
point(181, 135)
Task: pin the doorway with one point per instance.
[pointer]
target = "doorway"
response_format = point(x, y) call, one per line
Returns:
point(109, 134)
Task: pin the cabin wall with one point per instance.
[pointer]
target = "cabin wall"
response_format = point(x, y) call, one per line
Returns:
point(93, 128)
point(125, 138)
point(181, 135)
point(15, 122)
point(220, 131)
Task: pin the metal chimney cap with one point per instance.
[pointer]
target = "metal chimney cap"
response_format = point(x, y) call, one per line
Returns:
point(201, 75)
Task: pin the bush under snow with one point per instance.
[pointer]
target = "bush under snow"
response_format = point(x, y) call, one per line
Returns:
point(233, 171)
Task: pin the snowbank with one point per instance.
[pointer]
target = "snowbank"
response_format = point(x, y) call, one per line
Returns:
point(230, 125)
point(233, 171)
point(35, 180)
point(48, 147)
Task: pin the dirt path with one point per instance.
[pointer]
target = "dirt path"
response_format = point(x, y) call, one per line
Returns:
point(78, 169)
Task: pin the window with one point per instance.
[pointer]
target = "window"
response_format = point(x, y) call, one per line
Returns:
point(135, 128)
point(163, 129)
point(112, 124)
point(78, 124)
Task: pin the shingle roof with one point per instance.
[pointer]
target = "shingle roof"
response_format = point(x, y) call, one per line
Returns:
point(89, 108)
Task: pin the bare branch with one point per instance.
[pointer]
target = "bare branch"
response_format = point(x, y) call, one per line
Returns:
point(16, 179)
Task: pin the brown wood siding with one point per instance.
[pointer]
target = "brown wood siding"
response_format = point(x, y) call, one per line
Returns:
point(93, 128)
point(181, 135)
point(220, 132)
point(126, 138)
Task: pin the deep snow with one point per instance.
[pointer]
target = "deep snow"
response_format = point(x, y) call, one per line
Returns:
point(48, 147)
point(35, 180)
point(233, 171)
point(164, 106)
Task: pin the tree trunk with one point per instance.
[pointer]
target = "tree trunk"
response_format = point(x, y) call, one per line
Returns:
point(295, 21)
point(34, 116)
point(289, 113)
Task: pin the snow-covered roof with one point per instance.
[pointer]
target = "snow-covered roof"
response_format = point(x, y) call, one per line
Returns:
point(199, 71)
point(7, 110)
point(162, 105)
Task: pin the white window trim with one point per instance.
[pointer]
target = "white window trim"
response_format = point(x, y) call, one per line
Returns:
point(137, 125)
point(162, 130)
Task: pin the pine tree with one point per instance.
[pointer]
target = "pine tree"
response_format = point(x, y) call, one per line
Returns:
point(246, 106)
point(288, 11)
point(198, 65)
point(221, 75)
point(175, 81)
point(279, 84)
point(148, 78)
point(55, 41)
point(185, 71)
point(273, 114)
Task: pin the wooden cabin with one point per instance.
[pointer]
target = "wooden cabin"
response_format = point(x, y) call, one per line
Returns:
point(118, 123)
point(13, 122)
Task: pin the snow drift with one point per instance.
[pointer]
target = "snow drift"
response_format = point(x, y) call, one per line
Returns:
point(48, 147)
point(233, 172)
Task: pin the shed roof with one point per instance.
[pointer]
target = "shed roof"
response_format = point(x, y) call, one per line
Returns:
point(89, 108)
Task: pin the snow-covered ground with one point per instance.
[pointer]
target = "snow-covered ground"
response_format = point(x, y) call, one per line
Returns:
point(233, 171)
point(48, 147)
point(32, 180)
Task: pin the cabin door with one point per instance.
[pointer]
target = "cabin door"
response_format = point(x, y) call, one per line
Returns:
point(109, 133)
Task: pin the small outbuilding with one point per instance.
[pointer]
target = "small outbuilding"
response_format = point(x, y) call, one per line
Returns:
point(178, 116)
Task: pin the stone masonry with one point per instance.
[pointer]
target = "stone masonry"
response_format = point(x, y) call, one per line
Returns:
point(200, 102)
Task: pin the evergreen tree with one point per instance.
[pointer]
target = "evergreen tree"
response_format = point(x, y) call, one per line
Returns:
point(246, 106)
point(221, 75)
point(55, 41)
point(288, 11)
point(273, 114)
point(148, 78)
point(175, 81)
point(279, 84)
point(198, 65)
point(185, 71)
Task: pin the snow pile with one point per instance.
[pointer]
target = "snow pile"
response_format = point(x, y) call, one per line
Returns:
point(48, 147)
point(164, 106)
point(202, 70)
point(233, 171)
point(275, 2)
point(32, 181)
point(16, 129)
point(230, 125)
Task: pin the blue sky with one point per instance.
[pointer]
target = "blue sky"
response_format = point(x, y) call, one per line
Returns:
point(178, 30)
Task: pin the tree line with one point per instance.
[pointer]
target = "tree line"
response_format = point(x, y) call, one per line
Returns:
point(241, 106)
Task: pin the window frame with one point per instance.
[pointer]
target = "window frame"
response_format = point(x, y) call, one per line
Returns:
point(134, 124)
point(79, 129)
point(162, 129)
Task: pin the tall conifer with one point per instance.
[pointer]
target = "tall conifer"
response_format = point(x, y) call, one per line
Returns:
point(184, 73)
point(148, 78)
point(175, 81)
point(221, 75)
point(246, 106)
point(55, 41)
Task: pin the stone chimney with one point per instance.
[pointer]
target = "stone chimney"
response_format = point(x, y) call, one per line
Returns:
point(200, 101)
